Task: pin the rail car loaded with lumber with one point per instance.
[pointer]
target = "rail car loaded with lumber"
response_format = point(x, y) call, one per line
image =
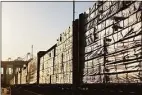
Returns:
point(101, 53)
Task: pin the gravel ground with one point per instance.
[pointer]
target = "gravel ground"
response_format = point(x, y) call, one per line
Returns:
point(5, 91)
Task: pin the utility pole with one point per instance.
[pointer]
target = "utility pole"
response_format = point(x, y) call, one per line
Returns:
point(73, 10)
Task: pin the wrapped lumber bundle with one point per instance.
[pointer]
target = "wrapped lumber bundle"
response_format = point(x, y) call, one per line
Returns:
point(63, 59)
point(113, 45)
point(46, 66)
point(32, 71)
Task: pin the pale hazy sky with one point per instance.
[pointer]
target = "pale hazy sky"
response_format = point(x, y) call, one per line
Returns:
point(35, 23)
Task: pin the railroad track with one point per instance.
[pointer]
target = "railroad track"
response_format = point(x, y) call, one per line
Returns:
point(20, 91)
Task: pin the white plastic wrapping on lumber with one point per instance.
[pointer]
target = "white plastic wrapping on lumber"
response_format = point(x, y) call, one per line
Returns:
point(122, 33)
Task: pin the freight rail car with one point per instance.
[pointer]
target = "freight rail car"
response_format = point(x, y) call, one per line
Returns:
point(32, 71)
point(103, 46)
point(63, 58)
point(56, 63)
point(54, 66)
point(112, 43)
point(46, 64)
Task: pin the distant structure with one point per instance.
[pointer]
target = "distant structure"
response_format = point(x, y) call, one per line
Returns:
point(12, 67)
point(9, 70)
